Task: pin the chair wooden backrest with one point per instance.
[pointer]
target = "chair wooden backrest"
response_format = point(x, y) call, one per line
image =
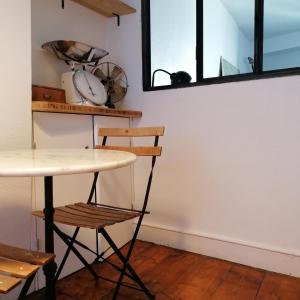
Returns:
point(153, 151)
point(133, 132)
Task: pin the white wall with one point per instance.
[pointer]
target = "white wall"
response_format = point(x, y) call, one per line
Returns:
point(15, 119)
point(173, 43)
point(282, 42)
point(223, 37)
point(50, 22)
point(282, 51)
point(227, 184)
point(282, 59)
point(15, 116)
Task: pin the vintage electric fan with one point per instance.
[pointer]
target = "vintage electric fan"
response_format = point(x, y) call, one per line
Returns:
point(81, 86)
point(114, 80)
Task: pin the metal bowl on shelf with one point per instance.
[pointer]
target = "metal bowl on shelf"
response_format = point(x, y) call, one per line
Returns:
point(72, 51)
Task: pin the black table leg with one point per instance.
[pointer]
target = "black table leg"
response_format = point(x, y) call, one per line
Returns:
point(49, 269)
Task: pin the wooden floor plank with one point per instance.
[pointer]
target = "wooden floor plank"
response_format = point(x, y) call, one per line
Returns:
point(145, 257)
point(277, 286)
point(173, 267)
point(240, 282)
point(178, 275)
point(202, 280)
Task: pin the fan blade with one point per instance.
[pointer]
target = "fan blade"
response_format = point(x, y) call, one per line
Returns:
point(118, 92)
point(116, 72)
point(98, 73)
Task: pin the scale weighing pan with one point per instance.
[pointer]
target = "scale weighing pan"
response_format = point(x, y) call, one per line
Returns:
point(72, 51)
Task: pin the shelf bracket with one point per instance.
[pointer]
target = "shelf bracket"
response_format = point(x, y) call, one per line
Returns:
point(118, 18)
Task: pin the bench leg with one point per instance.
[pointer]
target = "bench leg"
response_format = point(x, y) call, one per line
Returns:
point(26, 287)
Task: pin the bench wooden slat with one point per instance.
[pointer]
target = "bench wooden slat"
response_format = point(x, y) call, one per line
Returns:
point(31, 257)
point(17, 268)
point(7, 283)
point(132, 132)
point(139, 151)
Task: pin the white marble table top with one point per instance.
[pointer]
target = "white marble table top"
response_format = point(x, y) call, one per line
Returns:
point(48, 162)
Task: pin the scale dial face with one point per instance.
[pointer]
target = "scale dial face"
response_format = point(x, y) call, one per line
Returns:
point(89, 87)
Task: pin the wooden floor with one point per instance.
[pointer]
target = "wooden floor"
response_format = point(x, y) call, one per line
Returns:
point(175, 274)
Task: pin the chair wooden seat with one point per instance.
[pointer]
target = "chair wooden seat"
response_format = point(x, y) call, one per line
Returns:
point(89, 216)
point(16, 264)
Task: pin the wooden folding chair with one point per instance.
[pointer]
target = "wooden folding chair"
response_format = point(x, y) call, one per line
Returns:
point(17, 264)
point(98, 216)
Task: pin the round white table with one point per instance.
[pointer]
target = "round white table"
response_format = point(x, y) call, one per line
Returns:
point(50, 162)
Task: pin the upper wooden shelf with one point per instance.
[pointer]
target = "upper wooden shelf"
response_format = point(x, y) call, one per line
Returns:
point(53, 107)
point(108, 8)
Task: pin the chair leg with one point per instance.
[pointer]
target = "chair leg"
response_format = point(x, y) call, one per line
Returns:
point(26, 287)
point(126, 265)
point(76, 252)
point(64, 260)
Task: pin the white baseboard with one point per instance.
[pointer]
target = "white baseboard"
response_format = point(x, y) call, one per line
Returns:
point(251, 254)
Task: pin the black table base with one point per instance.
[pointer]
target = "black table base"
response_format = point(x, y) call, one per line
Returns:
point(49, 269)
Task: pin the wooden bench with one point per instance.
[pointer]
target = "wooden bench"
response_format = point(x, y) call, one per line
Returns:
point(17, 264)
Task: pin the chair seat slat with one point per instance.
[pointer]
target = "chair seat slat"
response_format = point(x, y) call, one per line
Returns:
point(93, 217)
point(81, 221)
point(101, 210)
point(77, 210)
point(69, 219)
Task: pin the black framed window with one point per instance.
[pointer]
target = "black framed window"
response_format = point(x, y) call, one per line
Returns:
point(173, 43)
point(228, 42)
point(196, 42)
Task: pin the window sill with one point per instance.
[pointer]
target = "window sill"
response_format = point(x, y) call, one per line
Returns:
point(227, 79)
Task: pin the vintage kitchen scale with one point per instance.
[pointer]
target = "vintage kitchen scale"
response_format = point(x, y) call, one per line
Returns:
point(94, 87)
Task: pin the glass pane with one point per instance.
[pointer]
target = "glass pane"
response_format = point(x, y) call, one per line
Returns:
point(228, 37)
point(173, 38)
point(281, 34)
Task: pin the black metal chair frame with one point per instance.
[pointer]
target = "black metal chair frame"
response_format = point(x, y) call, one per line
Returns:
point(127, 270)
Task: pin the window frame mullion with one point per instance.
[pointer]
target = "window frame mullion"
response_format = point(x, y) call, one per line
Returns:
point(146, 43)
point(199, 40)
point(259, 37)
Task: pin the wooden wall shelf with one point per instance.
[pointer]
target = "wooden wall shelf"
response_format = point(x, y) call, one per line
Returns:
point(108, 8)
point(53, 107)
